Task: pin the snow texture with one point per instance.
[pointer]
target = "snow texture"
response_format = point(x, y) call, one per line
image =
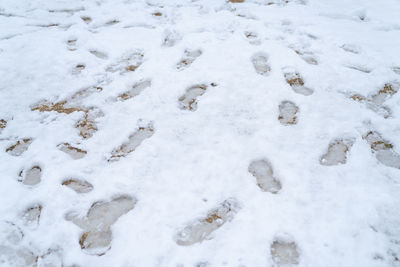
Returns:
point(183, 133)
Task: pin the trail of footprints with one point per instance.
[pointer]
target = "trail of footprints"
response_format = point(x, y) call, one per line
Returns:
point(96, 225)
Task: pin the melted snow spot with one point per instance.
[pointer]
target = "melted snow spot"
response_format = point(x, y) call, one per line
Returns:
point(284, 253)
point(296, 82)
point(97, 236)
point(287, 112)
point(189, 57)
point(202, 229)
point(31, 176)
point(79, 186)
point(337, 152)
point(3, 124)
point(260, 63)
point(136, 89)
point(262, 170)
point(19, 147)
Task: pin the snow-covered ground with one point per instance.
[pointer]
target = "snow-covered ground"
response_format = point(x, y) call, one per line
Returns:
point(200, 133)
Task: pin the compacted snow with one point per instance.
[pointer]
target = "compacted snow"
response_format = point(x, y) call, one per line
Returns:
point(200, 133)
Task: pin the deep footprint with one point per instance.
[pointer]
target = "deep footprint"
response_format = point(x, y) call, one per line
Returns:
point(19, 147)
point(202, 229)
point(189, 57)
point(260, 63)
point(296, 82)
point(337, 152)
point(31, 176)
point(97, 235)
point(262, 170)
point(134, 140)
point(383, 150)
point(288, 113)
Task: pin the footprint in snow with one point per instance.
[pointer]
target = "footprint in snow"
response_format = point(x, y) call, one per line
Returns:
point(376, 101)
point(79, 186)
point(288, 113)
point(260, 63)
point(188, 58)
point(128, 62)
point(97, 235)
point(31, 176)
point(383, 150)
point(135, 90)
point(202, 229)
point(134, 140)
point(19, 147)
point(337, 152)
point(262, 170)
point(296, 82)
point(189, 100)
point(73, 152)
point(284, 252)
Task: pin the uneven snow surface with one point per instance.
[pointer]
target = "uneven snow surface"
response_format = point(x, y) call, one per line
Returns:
point(180, 133)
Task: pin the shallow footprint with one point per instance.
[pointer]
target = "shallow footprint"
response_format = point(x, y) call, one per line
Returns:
point(31, 176)
point(337, 152)
point(73, 152)
point(284, 252)
point(260, 63)
point(136, 89)
point(97, 236)
point(262, 170)
point(287, 113)
point(202, 229)
point(87, 125)
point(134, 140)
point(79, 186)
point(189, 57)
point(383, 150)
point(188, 101)
point(31, 215)
point(19, 147)
point(296, 82)
point(128, 62)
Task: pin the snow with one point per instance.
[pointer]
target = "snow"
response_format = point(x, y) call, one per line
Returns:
point(256, 133)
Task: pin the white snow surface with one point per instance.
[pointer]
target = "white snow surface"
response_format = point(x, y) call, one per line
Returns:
point(341, 215)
